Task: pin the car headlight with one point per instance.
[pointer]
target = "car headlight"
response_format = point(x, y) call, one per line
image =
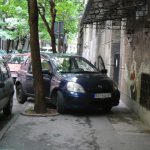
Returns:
point(75, 87)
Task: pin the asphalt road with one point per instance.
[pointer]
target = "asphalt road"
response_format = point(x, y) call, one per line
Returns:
point(118, 130)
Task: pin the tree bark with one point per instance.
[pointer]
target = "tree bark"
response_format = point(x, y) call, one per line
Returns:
point(17, 43)
point(53, 17)
point(40, 105)
point(8, 45)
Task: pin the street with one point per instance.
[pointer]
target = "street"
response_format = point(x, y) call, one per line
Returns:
point(118, 130)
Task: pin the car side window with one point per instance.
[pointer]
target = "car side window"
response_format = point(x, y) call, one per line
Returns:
point(45, 65)
point(101, 65)
point(3, 72)
point(83, 65)
point(25, 65)
point(30, 67)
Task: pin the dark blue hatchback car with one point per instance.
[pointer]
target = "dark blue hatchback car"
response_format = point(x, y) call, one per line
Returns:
point(70, 82)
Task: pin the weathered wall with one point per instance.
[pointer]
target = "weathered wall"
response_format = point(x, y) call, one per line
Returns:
point(97, 42)
point(135, 60)
point(134, 56)
point(90, 44)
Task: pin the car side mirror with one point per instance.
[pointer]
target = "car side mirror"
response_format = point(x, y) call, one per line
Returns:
point(104, 71)
point(2, 84)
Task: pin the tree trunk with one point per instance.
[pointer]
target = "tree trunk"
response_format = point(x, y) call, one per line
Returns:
point(17, 44)
point(8, 45)
point(53, 17)
point(40, 105)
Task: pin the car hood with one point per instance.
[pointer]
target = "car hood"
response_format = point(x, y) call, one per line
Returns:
point(94, 82)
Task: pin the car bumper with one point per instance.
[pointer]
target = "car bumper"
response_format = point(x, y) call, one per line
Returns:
point(81, 101)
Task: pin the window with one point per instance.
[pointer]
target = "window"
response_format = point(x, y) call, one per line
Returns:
point(24, 66)
point(62, 63)
point(45, 64)
point(84, 65)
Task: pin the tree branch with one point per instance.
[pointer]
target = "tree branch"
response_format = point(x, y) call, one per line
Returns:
point(43, 17)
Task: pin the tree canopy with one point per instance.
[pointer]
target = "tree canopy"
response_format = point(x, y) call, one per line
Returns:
point(14, 17)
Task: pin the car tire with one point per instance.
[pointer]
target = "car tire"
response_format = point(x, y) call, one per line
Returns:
point(107, 108)
point(21, 97)
point(60, 103)
point(8, 109)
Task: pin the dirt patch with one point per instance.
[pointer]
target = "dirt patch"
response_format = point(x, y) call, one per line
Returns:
point(29, 111)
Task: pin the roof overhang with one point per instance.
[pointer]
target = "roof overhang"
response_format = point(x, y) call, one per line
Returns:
point(100, 11)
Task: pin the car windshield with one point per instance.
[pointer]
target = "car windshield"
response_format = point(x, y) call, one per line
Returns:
point(73, 65)
point(17, 59)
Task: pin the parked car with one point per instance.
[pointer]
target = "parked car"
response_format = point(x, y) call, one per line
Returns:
point(70, 82)
point(14, 63)
point(13, 51)
point(6, 89)
point(3, 53)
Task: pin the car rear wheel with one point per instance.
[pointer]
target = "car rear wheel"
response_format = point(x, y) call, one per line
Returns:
point(60, 103)
point(21, 97)
point(8, 109)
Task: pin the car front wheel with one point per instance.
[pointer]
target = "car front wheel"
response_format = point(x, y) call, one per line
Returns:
point(60, 103)
point(21, 97)
point(107, 108)
point(8, 109)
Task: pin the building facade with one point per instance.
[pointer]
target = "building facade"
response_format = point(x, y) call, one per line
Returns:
point(119, 32)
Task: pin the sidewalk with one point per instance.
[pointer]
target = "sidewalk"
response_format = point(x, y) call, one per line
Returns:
point(118, 130)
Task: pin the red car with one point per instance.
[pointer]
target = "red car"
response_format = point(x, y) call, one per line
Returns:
point(15, 62)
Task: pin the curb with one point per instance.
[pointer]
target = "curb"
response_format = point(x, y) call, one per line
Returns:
point(38, 115)
point(28, 111)
point(7, 126)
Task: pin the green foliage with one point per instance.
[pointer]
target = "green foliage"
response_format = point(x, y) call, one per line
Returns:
point(68, 11)
point(14, 22)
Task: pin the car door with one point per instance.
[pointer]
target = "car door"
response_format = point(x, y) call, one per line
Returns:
point(7, 89)
point(29, 79)
point(46, 78)
point(47, 75)
point(2, 90)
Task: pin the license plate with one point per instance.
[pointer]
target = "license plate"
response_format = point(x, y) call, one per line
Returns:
point(102, 95)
